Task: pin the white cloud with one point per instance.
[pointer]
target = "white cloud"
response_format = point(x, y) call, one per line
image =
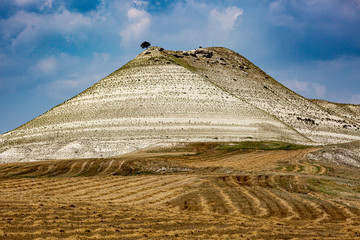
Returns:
point(278, 14)
point(307, 89)
point(225, 19)
point(24, 2)
point(41, 4)
point(335, 80)
point(332, 16)
point(355, 99)
point(352, 99)
point(72, 80)
point(47, 65)
point(27, 27)
point(319, 90)
point(138, 23)
point(47, 4)
point(140, 3)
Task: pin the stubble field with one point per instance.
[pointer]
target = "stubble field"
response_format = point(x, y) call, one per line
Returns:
point(184, 191)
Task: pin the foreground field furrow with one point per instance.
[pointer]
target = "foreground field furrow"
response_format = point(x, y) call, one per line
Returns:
point(255, 204)
point(275, 208)
point(98, 190)
point(107, 168)
point(333, 213)
point(143, 194)
point(123, 190)
point(349, 212)
point(45, 184)
point(15, 184)
point(218, 185)
point(55, 171)
point(63, 186)
point(314, 208)
point(237, 199)
point(302, 209)
point(83, 166)
point(291, 208)
point(78, 189)
point(167, 196)
point(72, 166)
point(213, 199)
point(41, 169)
point(159, 196)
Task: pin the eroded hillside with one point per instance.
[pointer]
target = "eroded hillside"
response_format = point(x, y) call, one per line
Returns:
point(241, 78)
point(157, 97)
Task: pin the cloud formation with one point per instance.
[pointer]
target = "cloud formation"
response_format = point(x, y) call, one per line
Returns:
point(47, 65)
point(307, 89)
point(226, 19)
point(138, 24)
point(24, 28)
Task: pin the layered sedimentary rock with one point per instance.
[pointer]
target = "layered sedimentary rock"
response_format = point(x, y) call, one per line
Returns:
point(162, 96)
point(238, 76)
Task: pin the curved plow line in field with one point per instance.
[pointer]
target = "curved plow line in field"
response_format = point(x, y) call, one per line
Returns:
point(241, 201)
point(275, 208)
point(213, 199)
point(116, 193)
point(83, 167)
point(71, 169)
point(334, 214)
point(224, 196)
point(348, 212)
point(257, 206)
point(101, 189)
point(62, 186)
point(295, 211)
point(107, 168)
point(39, 183)
point(149, 190)
point(169, 196)
point(147, 195)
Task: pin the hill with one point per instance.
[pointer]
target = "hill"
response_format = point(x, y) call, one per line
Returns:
point(210, 95)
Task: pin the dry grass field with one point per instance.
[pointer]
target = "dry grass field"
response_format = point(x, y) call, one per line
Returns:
point(266, 190)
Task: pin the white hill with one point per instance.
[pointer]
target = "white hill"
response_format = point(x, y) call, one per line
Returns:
point(163, 96)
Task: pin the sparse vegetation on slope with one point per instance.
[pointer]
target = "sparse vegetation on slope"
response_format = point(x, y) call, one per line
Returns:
point(238, 76)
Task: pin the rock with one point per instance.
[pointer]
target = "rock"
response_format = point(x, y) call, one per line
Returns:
point(202, 51)
point(177, 56)
point(208, 55)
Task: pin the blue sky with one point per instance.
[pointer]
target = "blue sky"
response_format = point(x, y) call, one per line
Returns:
point(50, 50)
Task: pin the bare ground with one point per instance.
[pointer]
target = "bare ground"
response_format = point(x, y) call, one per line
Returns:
point(195, 191)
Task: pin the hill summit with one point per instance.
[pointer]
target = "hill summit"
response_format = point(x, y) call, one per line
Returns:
point(162, 96)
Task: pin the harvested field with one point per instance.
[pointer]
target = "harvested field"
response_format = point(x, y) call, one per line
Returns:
point(192, 191)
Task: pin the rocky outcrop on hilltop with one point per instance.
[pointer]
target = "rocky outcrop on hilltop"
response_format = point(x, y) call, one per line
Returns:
point(207, 94)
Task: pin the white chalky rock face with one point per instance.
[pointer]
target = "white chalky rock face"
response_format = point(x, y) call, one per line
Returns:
point(159, 98)
point(322, 123)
